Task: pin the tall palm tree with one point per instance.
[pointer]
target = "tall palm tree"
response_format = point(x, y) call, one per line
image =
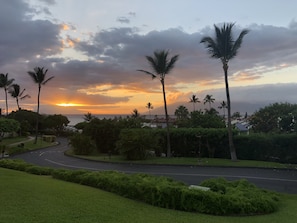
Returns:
point(161, 66)
point(39, 77)
point(15, 92)
point(223, 106)
point(208, 99)
point(194, 100)
point(149, 106)
point(224, 47)
point(5, 83)
point(135, 113)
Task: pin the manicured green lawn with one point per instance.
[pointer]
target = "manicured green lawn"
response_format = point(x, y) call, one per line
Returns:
point(12, 144)
point(188, 161)
point(27, 198)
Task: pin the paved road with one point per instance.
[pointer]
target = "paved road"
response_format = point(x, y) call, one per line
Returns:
point(273, 179)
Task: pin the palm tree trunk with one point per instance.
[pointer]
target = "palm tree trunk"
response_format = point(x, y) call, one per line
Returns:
point(17, 101)
point(37, 118)
point(6, 101)
point(230, 134)
point(167, 120)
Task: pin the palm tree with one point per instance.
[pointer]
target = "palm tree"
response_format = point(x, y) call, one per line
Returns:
point(181, 112)
point(38, 76)
point(5, 83)
point(223, 106)
point(149, 106)
point(135, 113)
point(161, 66)
point(224, 47)
point(208, 99)
point(194, 100)
point(88, 117)
point(15, 92)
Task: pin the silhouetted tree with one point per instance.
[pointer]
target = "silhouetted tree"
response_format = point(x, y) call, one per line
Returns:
point(39, 77)
point(224, 47)
point(161, 66)
point(5, 83)
point(15, 92)
point(149, 106)
point(208, 99)
point(194, 100)
point(223, 106)
point(88, 117)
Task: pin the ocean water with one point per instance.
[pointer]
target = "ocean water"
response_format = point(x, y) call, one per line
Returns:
point(77, 118)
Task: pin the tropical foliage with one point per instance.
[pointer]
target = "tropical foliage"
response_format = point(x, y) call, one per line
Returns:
point(277, 117)
point(225, 48)
point(5, 83)
point(194, 100)
point(162, 66)
point(15, 92)
point(39, 78)
point(208, 100)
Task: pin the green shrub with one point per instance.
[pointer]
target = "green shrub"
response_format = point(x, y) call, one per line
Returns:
point(135, 144)
point(81, 144)
point(38, 170)
point(225, 197)
point(14, 164)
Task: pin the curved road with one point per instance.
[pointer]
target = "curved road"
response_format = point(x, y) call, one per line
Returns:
point(272, 179)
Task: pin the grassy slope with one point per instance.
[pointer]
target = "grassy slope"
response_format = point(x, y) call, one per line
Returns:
point(28, 198)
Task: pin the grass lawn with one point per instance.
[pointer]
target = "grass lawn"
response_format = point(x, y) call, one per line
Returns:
point(12, 144)
point(188, 161)
point(27, 198)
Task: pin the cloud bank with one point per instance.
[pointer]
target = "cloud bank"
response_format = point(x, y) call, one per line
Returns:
point(93, 71)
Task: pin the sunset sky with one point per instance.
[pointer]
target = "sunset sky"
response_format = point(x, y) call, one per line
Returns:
point(94, 47)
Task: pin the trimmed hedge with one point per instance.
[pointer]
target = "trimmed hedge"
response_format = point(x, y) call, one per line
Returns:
point(202, 142)
point(274, 147)
point(26, 167)
point(223, 198)
point(238, 197)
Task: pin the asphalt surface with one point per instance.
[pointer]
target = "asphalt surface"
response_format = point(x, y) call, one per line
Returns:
point(272, 179)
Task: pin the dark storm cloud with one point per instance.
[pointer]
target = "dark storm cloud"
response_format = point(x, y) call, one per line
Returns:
point(22, 38)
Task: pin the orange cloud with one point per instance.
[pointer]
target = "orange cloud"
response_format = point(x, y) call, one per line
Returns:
point(243, 76)
point(65, 27)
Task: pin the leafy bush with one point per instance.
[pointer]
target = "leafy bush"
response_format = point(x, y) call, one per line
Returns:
point(14, 164)
point(135, 143)
point(38, 170)
point(224, 198)
point(26, 167)
point(81, 144)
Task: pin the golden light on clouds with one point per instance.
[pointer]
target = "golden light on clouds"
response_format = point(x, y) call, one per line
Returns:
point(109, 90)
point(243, 76)
point(65, 27)
point(69, 105)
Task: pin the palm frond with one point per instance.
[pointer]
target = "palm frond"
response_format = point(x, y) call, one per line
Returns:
point(238, 42)
point(44, 82)
point(25, 96)
point(149, 73)
point(171, 63)
point(33, 76)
